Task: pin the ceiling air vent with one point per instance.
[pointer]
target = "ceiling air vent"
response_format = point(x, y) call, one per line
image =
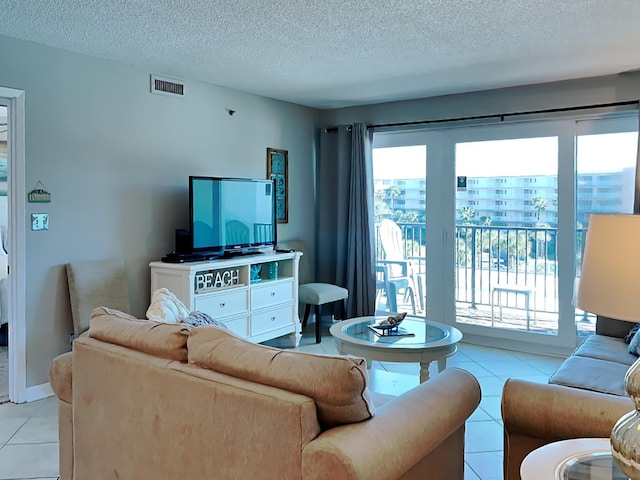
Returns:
point(167, 86)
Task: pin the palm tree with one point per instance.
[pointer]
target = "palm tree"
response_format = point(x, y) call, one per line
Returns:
point(467, 214)
point(392, 193)
point(540, 238)
point(539, 205)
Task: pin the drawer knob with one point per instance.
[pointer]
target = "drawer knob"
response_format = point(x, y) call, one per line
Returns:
point(273, 319)
point(273, 294)
point(222, 304)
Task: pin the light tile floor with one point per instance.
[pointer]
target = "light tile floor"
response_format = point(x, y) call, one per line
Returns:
point(28, 432)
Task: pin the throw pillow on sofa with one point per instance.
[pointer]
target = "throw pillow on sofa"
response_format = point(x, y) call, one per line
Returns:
point(634, 342)
point(164, 340)
point(166, 307)
point(629, 336)
point(337, 384)
point(201, 319)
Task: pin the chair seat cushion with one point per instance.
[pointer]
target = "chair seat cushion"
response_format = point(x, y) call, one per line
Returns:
point(321, 293)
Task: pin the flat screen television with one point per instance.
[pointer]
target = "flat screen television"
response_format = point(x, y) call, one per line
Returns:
point(231, 216)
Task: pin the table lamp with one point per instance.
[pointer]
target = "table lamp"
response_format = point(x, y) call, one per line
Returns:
point(610, 286)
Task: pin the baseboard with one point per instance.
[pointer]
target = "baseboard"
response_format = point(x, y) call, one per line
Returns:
point(521, 346)
point(38, 392)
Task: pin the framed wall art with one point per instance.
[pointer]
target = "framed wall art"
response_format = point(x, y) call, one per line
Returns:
point(278, 171)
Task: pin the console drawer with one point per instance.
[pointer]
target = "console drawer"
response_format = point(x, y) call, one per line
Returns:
point(223, 304)
point(238, 325)
point(271, 319)
point(271, 294)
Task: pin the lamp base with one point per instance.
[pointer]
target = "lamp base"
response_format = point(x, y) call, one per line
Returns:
point(625, 436)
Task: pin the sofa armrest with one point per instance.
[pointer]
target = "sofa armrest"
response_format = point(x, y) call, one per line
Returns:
point(403, 432)
point(536, 414)
point(60, 379)
point(60, 374)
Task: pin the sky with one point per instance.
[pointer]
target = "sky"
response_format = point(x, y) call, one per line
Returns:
point(531, 156)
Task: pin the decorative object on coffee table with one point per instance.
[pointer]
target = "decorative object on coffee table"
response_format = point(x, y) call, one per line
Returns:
point(609, 287)
point(278, 171)
point(391, 326)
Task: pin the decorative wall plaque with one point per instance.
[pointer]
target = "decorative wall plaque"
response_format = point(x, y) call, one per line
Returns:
point(278, 171)
point(39, 194)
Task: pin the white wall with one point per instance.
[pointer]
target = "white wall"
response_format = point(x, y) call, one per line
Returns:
point(571, 93)
point(116, 160)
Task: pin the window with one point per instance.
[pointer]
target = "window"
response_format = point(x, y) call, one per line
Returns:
point(533, 186)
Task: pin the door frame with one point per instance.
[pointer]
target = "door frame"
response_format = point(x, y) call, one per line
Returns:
point(15, 101)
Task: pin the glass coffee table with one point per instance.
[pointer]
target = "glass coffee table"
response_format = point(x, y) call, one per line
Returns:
point(431, 341)
point(575, 459)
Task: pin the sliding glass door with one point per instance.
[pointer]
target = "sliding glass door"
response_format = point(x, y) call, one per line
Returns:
point(496, 227)
point(506, 233)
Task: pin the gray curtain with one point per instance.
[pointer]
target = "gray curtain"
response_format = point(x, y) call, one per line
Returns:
point(344, 215)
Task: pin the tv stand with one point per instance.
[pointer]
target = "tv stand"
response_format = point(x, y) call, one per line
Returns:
point(238, 292)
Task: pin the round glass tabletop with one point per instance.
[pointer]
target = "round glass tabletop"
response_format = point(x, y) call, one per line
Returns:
point(592, 466)
point(410, 332)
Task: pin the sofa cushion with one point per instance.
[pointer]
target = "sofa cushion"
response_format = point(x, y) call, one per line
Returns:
point(337, 384)
point(612, 349)
point(165, 340)
point(591, 374)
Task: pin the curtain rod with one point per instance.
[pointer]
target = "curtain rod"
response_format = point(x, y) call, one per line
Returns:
point(501, 116)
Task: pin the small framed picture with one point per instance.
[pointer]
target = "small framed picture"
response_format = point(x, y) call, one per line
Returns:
point(278, 171)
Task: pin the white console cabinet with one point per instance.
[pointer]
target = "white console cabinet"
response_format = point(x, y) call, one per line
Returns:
point(251, 297)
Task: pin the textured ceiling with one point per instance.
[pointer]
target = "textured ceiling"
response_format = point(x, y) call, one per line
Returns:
point(334, 53)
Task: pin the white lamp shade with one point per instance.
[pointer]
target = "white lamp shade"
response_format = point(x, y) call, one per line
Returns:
point(610, 277)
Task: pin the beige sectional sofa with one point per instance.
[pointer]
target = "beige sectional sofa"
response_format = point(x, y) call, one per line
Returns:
point(139, 399)
point(584, 397)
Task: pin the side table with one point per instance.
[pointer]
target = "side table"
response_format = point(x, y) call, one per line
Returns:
point(575, 459)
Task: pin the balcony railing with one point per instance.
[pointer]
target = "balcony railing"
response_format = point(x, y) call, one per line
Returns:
point(486, 256)
point(525, 256)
